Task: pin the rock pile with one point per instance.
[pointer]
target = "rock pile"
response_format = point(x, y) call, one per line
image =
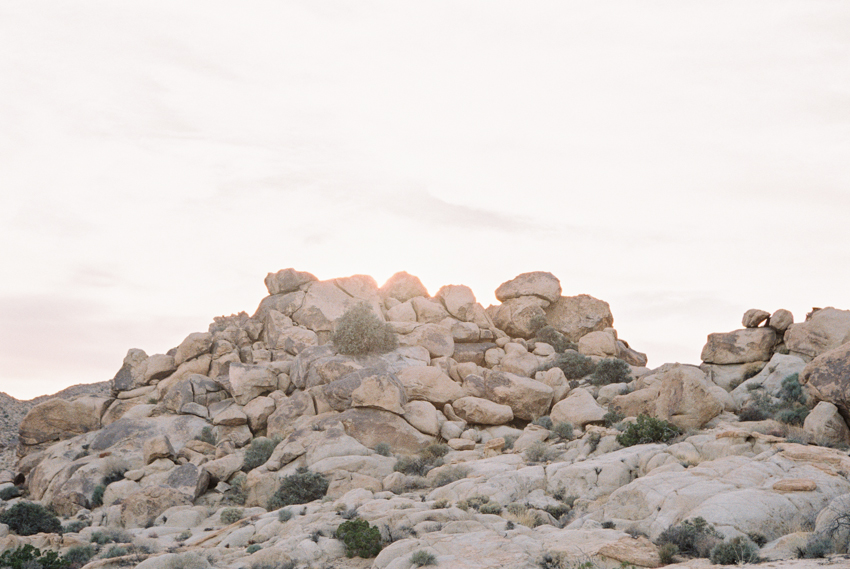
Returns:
point(530, 398)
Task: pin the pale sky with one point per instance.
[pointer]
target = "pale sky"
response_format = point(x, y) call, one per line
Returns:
point(682, 160)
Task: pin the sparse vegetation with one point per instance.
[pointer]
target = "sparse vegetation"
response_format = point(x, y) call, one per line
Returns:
point(359, 332)
point(78, 556)
point(573, 364)
point(111, 536)
point(9, 493)
point(694, 538)
point(491, 508)
point(536, 452)
point(253, 548)
point(183, 535)
point(422, 558)
point(258, 452)
point(666, 552)
point(549, 335)
point(450, 474)
point(360, 538)
point(30, 557)
point(97, 496)
point(383, 449)
point(736, 551)
point(75, 526)
point(647, 430)
point(430, 458)
point(563, 430)
point(611, 370)
point(545, 421)
point(299, 488)
point(207, 436)
point(28, 518)
point(231, 515)
point(115, 551)
point(817, 547)
point(612, 418)
point(284, 515)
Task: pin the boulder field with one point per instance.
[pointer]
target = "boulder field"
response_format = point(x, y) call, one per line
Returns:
point(480, 438)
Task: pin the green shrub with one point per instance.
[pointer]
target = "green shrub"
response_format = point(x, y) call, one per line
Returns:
point(545, 421)
point(115, 551)
point(491, 508)
point(436, 450)
point(253, 548)
point(667, 552)
point(360, 538)
point(791, 390)
point(183, 535)
point(611, 370)
point(440, 505)
point(563, 431)
point(450, 474)
point(97, 496)
point(509, 441)
point(430, 458)
point(573, 364)
point(27, 518)
point(536, 452)
point(231, 515)
point(28, 556)
point(695, 538)
point(359, 332)
point(794, 416)
point(9, 493)
point(647, 430)
point(611, 418)
point(383, 449)
point(473, 502)
point(421, 558)
point(238, 492)
point(75, 526)
point(817, 547)
point(284, 515)
point(558, 341)
point(736, 551)
point(608, 525)
point(258, 452)
point(299, 488)
point(111, 536)
point(207, 436)
point(78, 556)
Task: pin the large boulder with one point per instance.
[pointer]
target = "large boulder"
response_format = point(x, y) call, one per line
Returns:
point(753, 317)
point(575, 316)
point(527, 398)
point(827, 426)
point(132, 372)
point(740, 346)
point(458, 300)
point(366, 388)
point(538, 283)
point(280, 423)
point(482, 411)
point(374, 426)
point(602, 344)
point(287, 280)
point(140, 509)
point(249, 381)
point(823, 330)
point(402, 287)
point(428, 383)
point(521, 316)
point(579, 409)
point(437, 339)
point(195, 344)
point(58, 419)
point(326, 301)
point(828, 375)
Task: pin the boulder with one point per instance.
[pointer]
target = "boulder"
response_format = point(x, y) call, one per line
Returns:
point(403, 286)
point(520, 317)
point(157, 447)
point(132, 372)
point(538, 283)
point(250, 381)
point(423, 416)
point(579, 408)
point(472, 352)
point(230, 416)
point(630, 355)
point(326, 301)
point(287, 280)
point(435, 338)
point(427, 383)
point(188, 479)
point(753, 317)
point(602, 344)
point(781, 320)
point(195, 344)
point(58, 419)
point(403, 312)
point(428, 311)
point(465, 332)
point(370, 387)
point(373, 426)
point(740, 346)
point(287, 304)
point(823, 330)
point(482, 411)
point(575, 316)
point(280, 334)
point(828, 375)
point(159, 366)
point(527, 398)
point(458, 300)
point(827, 426)
point(258, 412)
point(140, 509)
point(280, 423)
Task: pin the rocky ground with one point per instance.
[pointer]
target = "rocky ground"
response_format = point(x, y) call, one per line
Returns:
point(523, 435)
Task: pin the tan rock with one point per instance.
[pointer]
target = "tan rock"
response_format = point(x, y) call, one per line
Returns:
point(403, 286)
point(465, 332)
point(685, 398)
point(795, 485)
point(381, 391)
point(141, 508)
point(461, 444)
point(781, 320)
point(427, 383)
point(326, 301)
point(195, 344)
point(232, 416)
point(221, 469)
point(826, 425)
point(157, 447)
point(482, 411)
point(495, 445)
point(435, 338)
point(58, 419)
point(824, 329)
point(403, 312)
point(753, 317)
point(629, 355)
point(527, 398)
point(579, 408)
point(458, 300)
point(602, 344)
point(637, 551)
point(373, 426)
point(132, 372)
point(258, 412)
point(539, 284)
point(575, 316)
point(250, 381)
point(423, 416)
point(287, 280)
point(740, 346)
point(828, 375)
point(280, 423)
point(159, 366)
point(287, 304)
point(520, 317)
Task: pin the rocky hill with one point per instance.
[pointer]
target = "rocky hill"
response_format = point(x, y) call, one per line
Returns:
point(345, 424)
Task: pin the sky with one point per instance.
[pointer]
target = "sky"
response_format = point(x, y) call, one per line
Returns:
point(682, 160)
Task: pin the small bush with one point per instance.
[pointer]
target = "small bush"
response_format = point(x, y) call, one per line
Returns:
point(647, 430)
point(816, 547)
point(667, 552)
point(78, 556)
point(558, 341)
point(111, 536)
point(359, 332)
point(536, 452)
point(611, 418)
point(440, 505)
point(383, 449)
point(473, 502)
point(207, 436)
point(183, 535)
point(115, 551)
point(738, 550)
point(253, 548)
point(284, 515)
point(793, 416)
point(573, 364)
point(299, 488)
point(422, 558)
point(259, 451)
point(757, 538)
point(360, 538)
point(563, 430)
point(9, 492)
point(695, 537)
point(97, 496)
point(436, 450)
point(231, 515)
point(491, 508)
point(75, 526)
point(27, 518)
point(608, 525)
point(791, 390)
point(545, 421)
point(752, 413)
point(509, 441)
point(413, 465)
point(28, 556)
point(238, 492)
point(611, 370)
point(450, 474)
point(558, 511)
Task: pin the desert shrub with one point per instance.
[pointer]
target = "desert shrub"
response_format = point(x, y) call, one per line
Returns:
point(450, 474)
point(27, 518)
point(647, 430)
point(558, 511)
point(593, 440)
point(751, 412)
point(78, 556)
point(817, 547)
point(473, 502)
point(258, 452)
point(97, 496)
point(115, 551)
point(284, 515)
point(695, 537)
point(536, 452)
point(359, 331)
point(360, 538)
point(573, 364)
point(667, 552)
point(111, 536)
point(9, 493)
point(611, 370)
point(791, 390)
point(253, 548)
point(608, 525)
point(206, 436)
point(611, 418)
point(440, 505)
point(231, 515)
point(509, 441)
point(436, 450)
point(28, 556)
point(545, 421)
point(75, 526)
point(383, 449)
point(238, 492)
point(757, 538)
point(491, 508)
point(183, 535)
point(752, 370)
point(736, 551)
point(422, 558)
point(299, 488)
point(563, 430)
point(794, 416)
point(558, 341)
point(430, 458)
